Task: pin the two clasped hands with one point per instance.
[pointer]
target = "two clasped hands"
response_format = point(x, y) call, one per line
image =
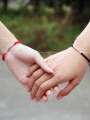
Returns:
point(41, 76)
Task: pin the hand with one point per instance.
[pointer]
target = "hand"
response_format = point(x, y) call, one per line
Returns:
point(20, 59)
point(33, 81)
point(68, 66)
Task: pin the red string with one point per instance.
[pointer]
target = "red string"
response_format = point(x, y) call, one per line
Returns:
point(4, 54)
point(17, 42)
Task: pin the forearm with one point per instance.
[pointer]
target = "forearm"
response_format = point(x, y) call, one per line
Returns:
point(6, 38)
point(82, 43)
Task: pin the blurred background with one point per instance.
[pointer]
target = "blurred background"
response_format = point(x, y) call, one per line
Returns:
point(45, 25)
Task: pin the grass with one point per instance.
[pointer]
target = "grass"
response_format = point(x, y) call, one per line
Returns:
point(44, 33)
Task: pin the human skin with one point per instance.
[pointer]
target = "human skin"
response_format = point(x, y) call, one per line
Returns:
point(68, 66)
point(20, 58)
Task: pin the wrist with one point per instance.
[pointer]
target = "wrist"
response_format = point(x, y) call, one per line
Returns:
point(10, 49)
point(76, 55)
point(16, 49)
point(82, 46)
point(7, 45)
point(6, 38)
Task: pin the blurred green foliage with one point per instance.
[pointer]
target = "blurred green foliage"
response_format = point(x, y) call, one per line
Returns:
point(41, 28)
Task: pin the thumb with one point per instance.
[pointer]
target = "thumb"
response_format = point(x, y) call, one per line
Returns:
point(40, 61)
point(64, 92)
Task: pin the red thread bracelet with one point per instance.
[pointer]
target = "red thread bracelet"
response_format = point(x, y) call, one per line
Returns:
point(4, 54)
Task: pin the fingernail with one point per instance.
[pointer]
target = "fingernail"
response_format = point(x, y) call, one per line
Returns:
point(44, 99)
point(49, 93)
point(37, 100)
point(60, 97)
point(56, 89)
point(50, 70)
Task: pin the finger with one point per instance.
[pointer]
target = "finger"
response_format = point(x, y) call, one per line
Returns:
point(23, 81)
point(39, 60)
point(49, 93)
point(32, 69)
point(64, 92)
point(45, 99)
point(38, 82)
point(46, 86)
point(56, 89)
point(33, 78)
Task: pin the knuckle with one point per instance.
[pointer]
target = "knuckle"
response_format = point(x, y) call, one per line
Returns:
point(37, 53)
point(34, 75)
point(40, 71)
point(42, 88)
point(37, 84)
